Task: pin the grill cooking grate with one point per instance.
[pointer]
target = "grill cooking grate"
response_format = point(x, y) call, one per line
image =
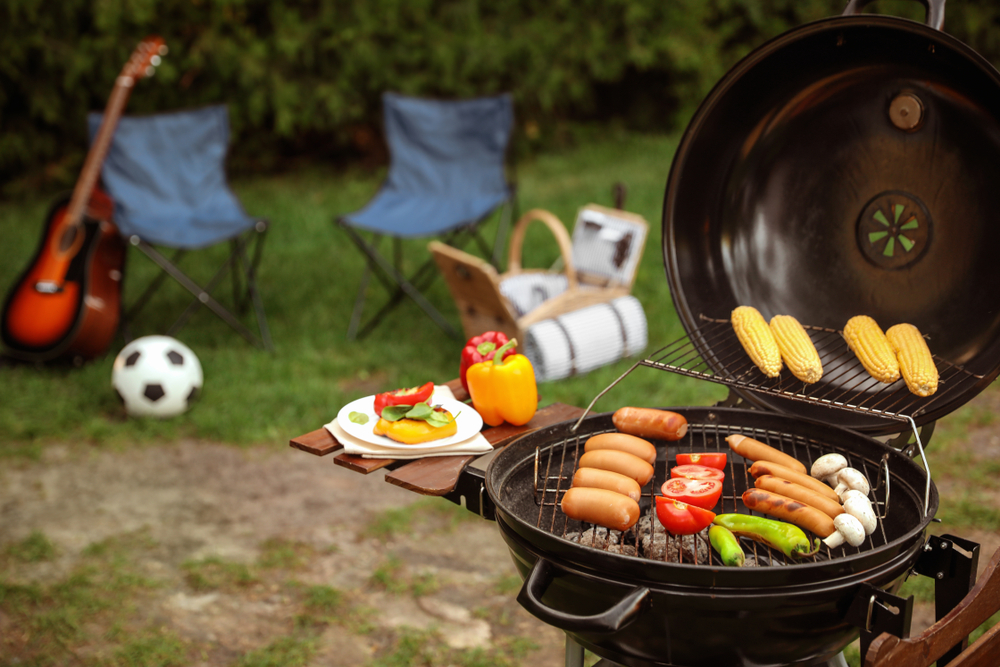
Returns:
point(556, 463)
point(845, 384)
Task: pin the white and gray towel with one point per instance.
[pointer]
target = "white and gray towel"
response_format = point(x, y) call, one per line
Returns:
point(585, 339)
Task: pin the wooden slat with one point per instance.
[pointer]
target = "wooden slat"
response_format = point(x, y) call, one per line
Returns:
point(436, 476)
point(319, 442)
point(361, 464)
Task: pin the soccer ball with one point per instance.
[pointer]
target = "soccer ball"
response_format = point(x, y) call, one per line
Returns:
point(156, 376)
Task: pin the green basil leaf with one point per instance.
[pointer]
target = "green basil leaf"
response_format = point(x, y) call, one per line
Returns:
point(358, 418)
point(439, 419)
point(420, 411)
point(392, 413)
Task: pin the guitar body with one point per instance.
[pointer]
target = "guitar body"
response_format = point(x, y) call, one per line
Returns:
point(67, 303)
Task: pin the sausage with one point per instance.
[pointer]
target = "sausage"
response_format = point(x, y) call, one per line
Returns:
point(784, 508)
point(798, 492)
point(751, 449)
point(650, 423)
point(623, 443)
point(600, 506)
point(768, 468)
point(623, 463)
point(595, 478)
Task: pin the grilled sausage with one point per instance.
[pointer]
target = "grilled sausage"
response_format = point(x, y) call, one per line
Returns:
point(751, 449)
point(596, 478)
point(798, 492)
point(623, 443)
point(768, 468)
point(623, 463)
point(600, 506)
point(784, 508)
point(650, 423)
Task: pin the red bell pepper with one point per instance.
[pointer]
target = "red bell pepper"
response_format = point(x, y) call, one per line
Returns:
point(406, 396)
point(479, 349)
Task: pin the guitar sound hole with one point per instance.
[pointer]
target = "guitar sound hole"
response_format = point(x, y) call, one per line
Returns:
point(68, 238)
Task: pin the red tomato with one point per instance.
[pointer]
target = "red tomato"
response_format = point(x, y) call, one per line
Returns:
point(711, 459)
point(695, 471)
point(407, 396)
point(680, 518)
point(699, 492)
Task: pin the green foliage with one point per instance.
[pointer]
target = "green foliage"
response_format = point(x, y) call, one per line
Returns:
point(307, 77)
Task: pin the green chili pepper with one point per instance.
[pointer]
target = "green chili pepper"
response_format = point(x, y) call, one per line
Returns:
point(724, 542)
point(787, 538)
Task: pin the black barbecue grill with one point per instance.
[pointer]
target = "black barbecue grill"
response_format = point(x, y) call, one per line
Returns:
point(776, 199)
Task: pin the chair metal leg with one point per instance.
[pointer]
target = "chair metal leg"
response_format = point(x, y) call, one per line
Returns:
point(388, 274)
point(200, 294)
point(153, 285)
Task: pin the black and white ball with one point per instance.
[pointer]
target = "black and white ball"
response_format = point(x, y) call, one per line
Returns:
point(156, 376)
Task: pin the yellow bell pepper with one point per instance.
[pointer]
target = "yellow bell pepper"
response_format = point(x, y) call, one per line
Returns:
point(504, 389)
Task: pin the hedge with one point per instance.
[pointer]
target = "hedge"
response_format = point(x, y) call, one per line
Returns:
point(305, 78)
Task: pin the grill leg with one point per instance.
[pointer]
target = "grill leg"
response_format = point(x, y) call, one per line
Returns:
point(574, 653)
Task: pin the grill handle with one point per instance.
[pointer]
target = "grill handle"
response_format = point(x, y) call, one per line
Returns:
point(611, 620)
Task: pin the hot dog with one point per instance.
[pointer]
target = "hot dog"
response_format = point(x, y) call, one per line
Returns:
point(623, 443)
point(784, 508)
point(751, 449)
point(650, 423)
point(623, 463)
point(600, 506)
point(768, 468)
point(596, 478)
point(798, 492)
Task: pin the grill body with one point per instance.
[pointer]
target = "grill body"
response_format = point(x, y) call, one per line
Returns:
point(637, 611)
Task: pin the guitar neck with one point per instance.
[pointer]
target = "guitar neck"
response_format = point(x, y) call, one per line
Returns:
point(98, 151)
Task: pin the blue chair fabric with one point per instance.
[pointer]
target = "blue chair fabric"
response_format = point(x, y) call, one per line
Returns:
point(166, 175)
point(447, 174)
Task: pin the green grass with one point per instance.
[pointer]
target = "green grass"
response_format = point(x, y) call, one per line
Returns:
point(309, 277)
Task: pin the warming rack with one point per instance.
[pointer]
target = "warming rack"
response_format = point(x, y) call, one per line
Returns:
point(712, 352)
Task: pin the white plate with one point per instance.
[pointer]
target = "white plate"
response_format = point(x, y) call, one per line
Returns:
point(469, 423)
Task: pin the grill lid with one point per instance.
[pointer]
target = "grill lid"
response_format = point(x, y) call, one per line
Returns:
point(847, 167)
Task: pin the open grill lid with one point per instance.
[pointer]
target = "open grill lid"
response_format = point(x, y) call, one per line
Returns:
point(847, 167)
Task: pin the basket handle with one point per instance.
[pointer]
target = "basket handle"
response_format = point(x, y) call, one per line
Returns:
point(558, 231)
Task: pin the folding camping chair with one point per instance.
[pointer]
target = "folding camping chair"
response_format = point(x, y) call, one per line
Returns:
point(166, 175)
point(447, 175)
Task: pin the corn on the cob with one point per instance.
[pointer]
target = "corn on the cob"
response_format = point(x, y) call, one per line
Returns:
point(867, 341)
point(914, 357)
point(797, 349)
point(756, 338)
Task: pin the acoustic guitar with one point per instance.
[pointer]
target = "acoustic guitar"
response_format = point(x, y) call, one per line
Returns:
point(67, 303)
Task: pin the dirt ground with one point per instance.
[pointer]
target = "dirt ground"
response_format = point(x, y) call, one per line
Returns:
point(198, 501)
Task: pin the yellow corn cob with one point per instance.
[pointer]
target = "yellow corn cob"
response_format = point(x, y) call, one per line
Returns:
point(756, 338)
point(797, 349)
point(914, 357)
point(867, 341)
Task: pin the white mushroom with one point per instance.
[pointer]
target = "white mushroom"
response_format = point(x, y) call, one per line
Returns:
point(826, 465)
point(850, 478)
point(849, 529)
point(860, 508)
